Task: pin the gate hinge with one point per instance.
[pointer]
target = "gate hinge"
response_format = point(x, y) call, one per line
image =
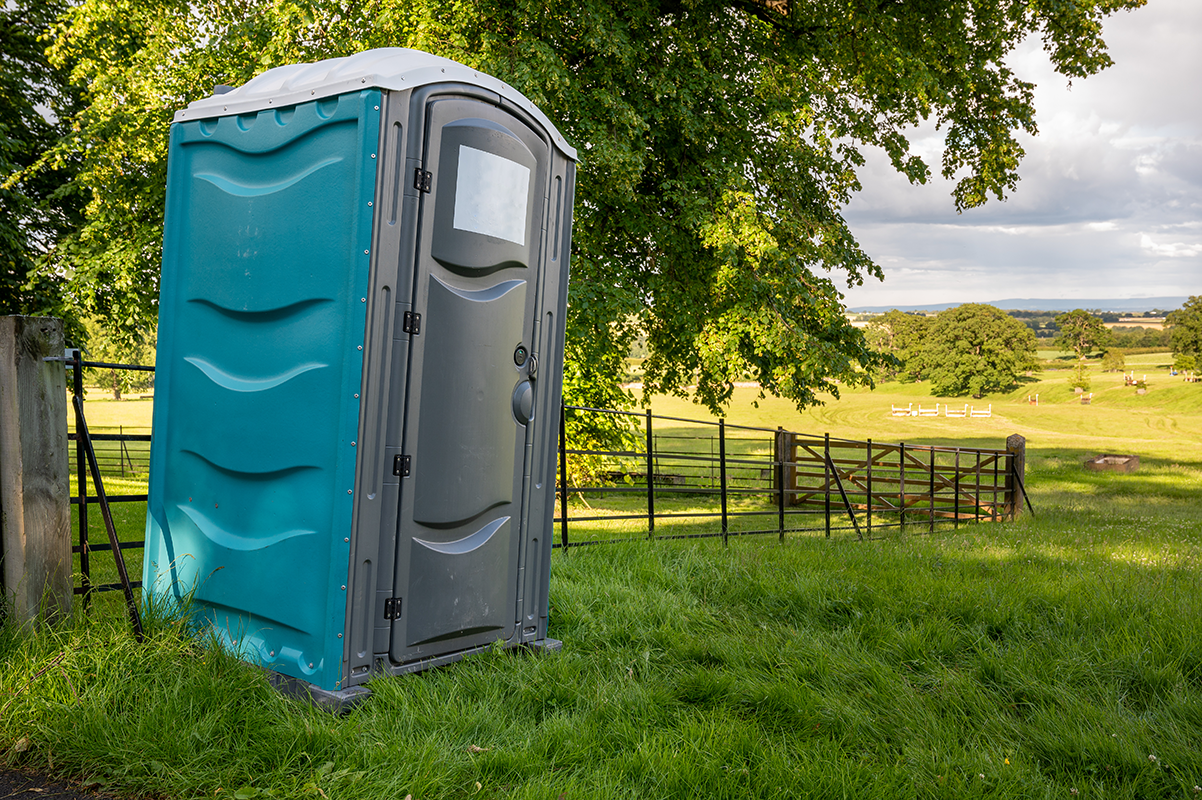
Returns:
point(401, 465)
point(411, 323)
point(422, 179)
point(392, 608)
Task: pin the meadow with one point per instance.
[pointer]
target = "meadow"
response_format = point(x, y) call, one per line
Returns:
point(1059, 655)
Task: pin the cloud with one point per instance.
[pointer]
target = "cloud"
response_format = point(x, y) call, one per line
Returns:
point(1110, 197)
point(1174, 250)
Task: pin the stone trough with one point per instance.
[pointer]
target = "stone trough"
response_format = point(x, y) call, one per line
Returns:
point(1110, 462)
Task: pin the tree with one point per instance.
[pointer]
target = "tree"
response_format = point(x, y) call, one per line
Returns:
point(976, 349)
point(720, 141)
point(1186, 330)
point(39, 203)
point(1113, 361)
point(1081, 333)
point(104, 346)
point(902, 336)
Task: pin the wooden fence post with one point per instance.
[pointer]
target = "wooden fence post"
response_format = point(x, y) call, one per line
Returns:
point(35, 494)
point(1016, 476)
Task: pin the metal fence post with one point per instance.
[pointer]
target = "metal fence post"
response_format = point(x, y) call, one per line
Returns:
point(993, 506)
point(931, 497)
point(780, 481)
point(868, 499)
point(976, 509)
point(826, 479)
point(722, 475)
point(563, 475)
point(650, 479)
point(81, 480)
point(956, 488)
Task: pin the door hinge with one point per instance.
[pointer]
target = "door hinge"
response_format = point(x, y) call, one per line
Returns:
point(401, 465)
point(392, 608)
point(411, 323)
point(422, 179)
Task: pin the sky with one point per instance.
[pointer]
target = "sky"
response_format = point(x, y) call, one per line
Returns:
point(1109, 204)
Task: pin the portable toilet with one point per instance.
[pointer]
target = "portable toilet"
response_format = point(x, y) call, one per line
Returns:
point(360, 353)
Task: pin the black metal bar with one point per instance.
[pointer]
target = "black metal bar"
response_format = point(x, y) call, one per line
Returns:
point(976, 510)
point(1023, 489)
point(114, 437)
point(563, 475)
point(81, 480)
point(993, 506)
point(114, 498)
point(104, 365)
point(106, 512)
point(108, 587)
point(846, 502)
point(956, 488)
point(104, 548)
point(931, 498)
point(869, 489)
point(901, 476)
point(781, 445)
point(650, 478)
point(722, 475)
point(826, 480)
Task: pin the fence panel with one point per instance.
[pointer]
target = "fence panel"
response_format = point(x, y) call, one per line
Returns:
point(693, 478)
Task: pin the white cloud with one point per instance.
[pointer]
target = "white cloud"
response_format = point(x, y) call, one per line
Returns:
point(1175, 250)
point(1110, 199)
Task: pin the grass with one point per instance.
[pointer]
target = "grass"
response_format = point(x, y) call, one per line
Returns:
point(1057, 653)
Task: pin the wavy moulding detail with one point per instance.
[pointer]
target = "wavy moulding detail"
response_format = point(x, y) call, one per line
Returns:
point(266, 315)
point(245, 190)
point(252, 475)
point(233, 541)
point(236, 384)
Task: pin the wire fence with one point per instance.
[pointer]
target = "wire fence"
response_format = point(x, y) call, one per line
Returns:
point(674, 478)
point(100, 453)
point(691, 478)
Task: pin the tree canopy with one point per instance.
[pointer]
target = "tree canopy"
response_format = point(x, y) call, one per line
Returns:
point(719, 140)
point(971, 349)
point(1081, 333)
point(902, 336)
point(975, 349)
point(1186, 330)
point(39, 202)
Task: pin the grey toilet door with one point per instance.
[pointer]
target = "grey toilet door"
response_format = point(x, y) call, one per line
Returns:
point(470, 396)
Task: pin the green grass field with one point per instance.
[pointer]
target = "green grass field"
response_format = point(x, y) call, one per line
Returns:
point(1057, 656)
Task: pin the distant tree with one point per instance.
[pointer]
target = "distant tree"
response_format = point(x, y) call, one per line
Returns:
point(1080, 379)
point(1139, 336)
point(1185, 363)
point(1113, 361)
point(104, 344)
point(1186, 330)
point(976, 349)
point(1081, 333)
point(902, 336)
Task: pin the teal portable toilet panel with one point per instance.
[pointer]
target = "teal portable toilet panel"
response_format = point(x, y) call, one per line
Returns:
point(360, 354)
point(265, 267)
